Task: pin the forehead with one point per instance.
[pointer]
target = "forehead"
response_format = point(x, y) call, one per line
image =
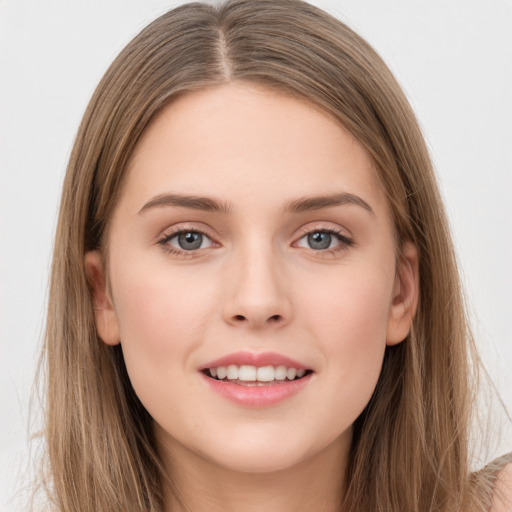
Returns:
point(249, 144)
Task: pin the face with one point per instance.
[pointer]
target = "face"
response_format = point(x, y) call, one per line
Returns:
point(253, 279)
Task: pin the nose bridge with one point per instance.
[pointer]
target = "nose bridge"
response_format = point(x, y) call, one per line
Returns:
point(258, 292)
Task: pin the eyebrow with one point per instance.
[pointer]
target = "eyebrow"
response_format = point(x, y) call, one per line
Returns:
point(327, 201)
point(185, 201)
point(299, 205)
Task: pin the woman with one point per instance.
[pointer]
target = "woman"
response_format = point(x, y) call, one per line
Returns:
point(254, 301)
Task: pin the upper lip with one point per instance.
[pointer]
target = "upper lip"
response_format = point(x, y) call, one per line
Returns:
point(255, 359)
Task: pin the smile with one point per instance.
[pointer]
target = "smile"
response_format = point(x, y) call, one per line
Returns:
point(256, 380)
point(250, 375)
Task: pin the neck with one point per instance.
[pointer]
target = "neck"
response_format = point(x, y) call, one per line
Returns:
point(314, 484)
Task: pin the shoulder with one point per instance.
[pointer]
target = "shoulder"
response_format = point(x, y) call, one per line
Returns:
point(502, 497)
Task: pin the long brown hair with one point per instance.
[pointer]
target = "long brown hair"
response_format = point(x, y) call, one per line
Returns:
point(410, 445)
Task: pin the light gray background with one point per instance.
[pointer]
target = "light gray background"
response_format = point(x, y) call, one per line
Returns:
point(454, 59)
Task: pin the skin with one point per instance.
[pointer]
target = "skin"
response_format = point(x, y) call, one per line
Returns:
point(502, 499)
point(256, 284)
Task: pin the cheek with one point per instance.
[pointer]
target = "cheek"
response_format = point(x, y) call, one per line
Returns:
point(152, 299)
point(163, 317)
point(348, 321)
point(351, 310)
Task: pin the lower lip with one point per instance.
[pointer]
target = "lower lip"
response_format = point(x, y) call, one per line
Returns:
point(257, 396)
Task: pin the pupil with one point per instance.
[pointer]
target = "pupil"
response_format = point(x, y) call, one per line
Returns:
point(190, 241)
point(319, 240)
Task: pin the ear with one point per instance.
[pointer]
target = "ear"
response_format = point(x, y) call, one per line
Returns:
point(405, 295)
point(107, 324)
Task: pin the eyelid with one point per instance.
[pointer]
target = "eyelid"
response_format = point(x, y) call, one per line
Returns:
point(173, 231)
point(345, 239)
point(330, 227)
point(178, 227)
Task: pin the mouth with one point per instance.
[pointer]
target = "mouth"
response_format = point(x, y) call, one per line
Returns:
point(256, 380)
point(249, 375)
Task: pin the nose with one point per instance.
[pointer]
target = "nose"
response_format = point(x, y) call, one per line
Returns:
point(258, 292)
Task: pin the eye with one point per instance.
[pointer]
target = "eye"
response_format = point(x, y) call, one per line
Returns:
point(186, 241)
point(324, 240)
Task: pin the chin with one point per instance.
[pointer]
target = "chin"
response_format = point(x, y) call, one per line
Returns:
point(263, 462)
point(265, 454)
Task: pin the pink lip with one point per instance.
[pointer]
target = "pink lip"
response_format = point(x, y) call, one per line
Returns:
point(257, 396)
point(254, 395)
point(253, 359)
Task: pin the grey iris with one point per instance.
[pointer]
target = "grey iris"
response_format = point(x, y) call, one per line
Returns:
point(319, 240)
point(189, 240)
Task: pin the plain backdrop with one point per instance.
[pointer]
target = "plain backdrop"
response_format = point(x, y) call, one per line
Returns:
point(453, 58)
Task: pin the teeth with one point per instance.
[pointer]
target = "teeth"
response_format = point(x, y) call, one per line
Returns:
point(221, 372)
point(280, 373)
point(232, 372)
point(250, 373)
point(247, 373)
point(291, 373)
point(265, 374)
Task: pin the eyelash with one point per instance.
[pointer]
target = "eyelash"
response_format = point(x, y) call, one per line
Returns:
point(164, 241)
point(344, 241)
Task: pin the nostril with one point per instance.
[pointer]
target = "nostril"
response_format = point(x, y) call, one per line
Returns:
point(271, 319)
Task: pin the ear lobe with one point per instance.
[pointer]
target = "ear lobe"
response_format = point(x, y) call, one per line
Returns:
point(405, 295)
point(107, 324)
